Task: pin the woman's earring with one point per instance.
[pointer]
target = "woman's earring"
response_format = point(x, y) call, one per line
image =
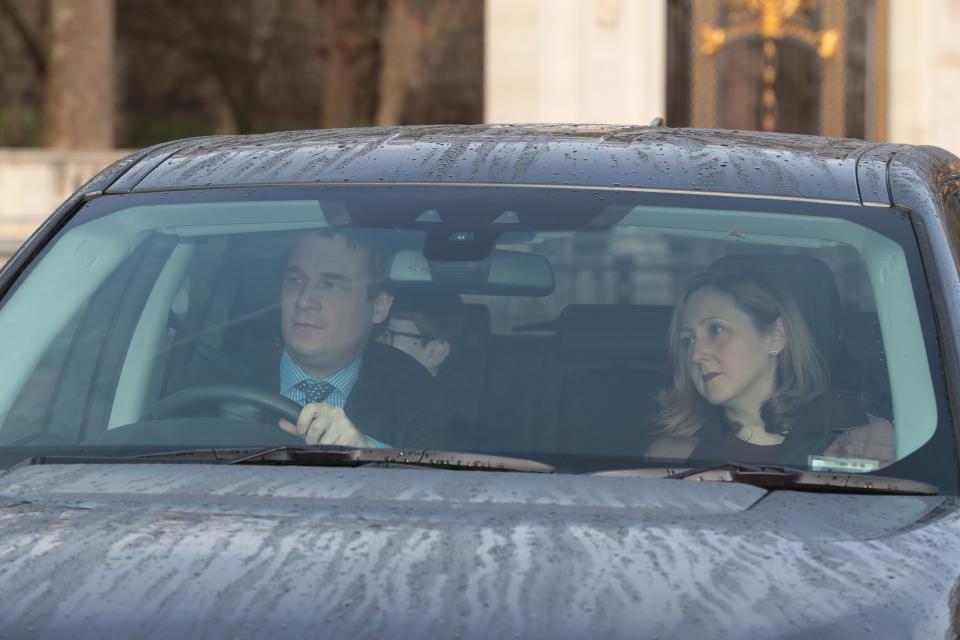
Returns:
point(774, 352)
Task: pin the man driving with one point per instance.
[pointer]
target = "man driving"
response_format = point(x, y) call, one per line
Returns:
point(355, 392)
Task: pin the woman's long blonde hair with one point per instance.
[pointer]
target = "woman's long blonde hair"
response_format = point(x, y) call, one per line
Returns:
point(801, 373)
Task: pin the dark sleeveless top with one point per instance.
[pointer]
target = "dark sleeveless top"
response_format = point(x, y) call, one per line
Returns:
point(825, 419)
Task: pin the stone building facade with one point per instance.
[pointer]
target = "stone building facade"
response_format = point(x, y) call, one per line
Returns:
point(877, 69)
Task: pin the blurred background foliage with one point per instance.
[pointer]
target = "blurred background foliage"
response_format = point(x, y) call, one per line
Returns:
point(184, 67)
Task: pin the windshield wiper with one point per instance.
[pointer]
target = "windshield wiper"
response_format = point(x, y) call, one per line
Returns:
point(774, 477)
point(417, 457)
point(320, 456)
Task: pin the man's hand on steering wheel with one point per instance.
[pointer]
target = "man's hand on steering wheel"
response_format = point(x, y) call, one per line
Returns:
point(322, 423)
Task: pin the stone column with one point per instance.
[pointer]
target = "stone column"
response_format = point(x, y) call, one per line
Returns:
point(600, 61)
point(923, 86)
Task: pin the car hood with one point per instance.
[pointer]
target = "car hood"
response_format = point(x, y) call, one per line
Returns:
point(158, 550)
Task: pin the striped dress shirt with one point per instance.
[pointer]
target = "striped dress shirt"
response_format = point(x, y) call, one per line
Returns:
point(291, 375)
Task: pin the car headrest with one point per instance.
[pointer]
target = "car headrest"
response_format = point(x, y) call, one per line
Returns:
point(476, 327)
point(616, 332)
point(812, 285)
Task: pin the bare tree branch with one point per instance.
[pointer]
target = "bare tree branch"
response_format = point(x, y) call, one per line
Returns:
point(30, 38)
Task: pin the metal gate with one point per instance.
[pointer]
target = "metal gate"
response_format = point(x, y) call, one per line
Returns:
point(799, 66)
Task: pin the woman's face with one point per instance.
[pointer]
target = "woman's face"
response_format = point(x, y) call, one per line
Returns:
point(729, 361)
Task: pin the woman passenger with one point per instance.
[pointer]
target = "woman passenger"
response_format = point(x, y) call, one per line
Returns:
point(749, 385)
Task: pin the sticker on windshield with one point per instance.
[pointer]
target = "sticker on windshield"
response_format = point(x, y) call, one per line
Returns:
point(846, 465)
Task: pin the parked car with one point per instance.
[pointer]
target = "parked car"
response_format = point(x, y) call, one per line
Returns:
point(148, 489)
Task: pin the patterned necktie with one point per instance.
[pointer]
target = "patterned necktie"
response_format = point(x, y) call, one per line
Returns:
point(315, 391)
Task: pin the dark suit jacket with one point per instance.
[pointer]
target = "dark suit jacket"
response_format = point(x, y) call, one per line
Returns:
point(394, 400)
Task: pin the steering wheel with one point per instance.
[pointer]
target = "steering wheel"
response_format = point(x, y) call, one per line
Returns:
point(204, 396)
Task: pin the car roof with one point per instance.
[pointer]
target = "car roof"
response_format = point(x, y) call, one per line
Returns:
point(698, 160)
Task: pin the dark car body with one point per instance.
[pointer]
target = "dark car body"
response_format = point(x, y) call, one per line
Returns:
point(95, 542)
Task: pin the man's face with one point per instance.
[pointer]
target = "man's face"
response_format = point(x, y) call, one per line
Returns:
point(326, 315)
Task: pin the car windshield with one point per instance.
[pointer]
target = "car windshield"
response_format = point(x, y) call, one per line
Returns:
point(592, 329)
